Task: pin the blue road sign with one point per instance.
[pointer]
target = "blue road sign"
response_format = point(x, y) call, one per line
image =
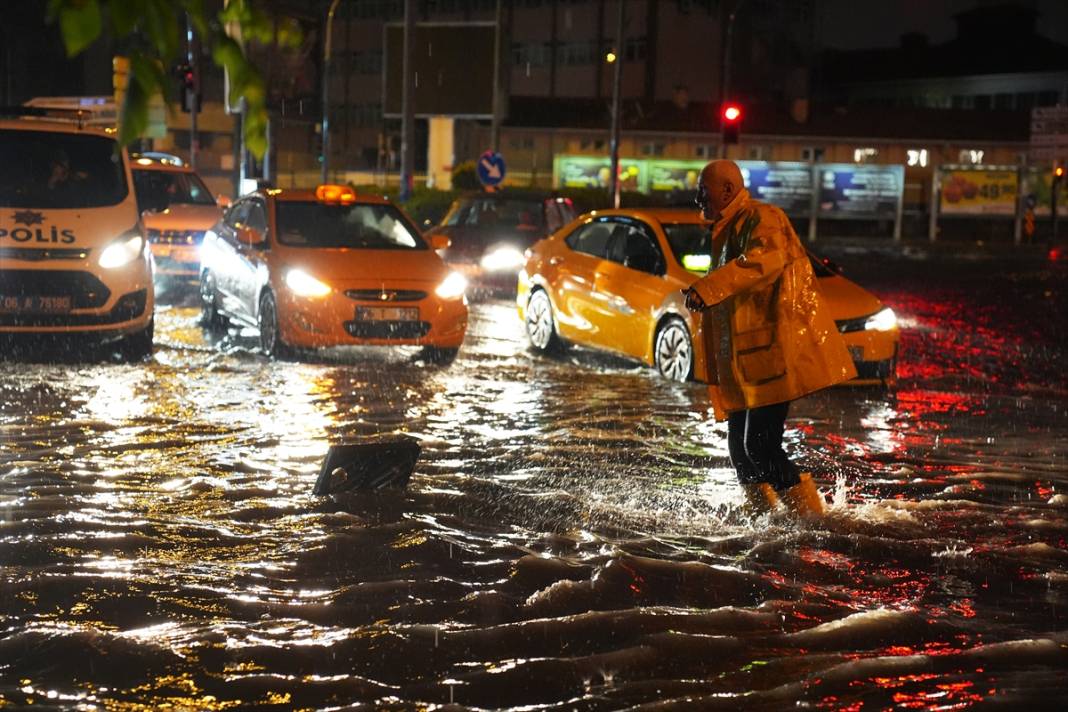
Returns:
point(490, 169)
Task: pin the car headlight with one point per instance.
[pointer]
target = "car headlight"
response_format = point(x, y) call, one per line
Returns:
point(304, 285)
point(123, 251)
point(452, 287)
point(884, 320)
point(503, 258)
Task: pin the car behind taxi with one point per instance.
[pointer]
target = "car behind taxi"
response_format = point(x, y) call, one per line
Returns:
point(328, 267)
point(614, 280)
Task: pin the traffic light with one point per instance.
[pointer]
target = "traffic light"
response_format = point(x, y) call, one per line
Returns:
point(189, 94)
point(730, 121)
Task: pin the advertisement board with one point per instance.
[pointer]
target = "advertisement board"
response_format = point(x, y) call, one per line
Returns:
point(1038, 191)
point(787, 185)
point(674, 176)
point(594, 172)
point(978, 191)
point(850, 190)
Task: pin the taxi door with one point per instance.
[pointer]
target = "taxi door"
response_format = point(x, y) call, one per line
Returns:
point(224, 258)
point(579, 314)
point(250, 261)
point(630, 283)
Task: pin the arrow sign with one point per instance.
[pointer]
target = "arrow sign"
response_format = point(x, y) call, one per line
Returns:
point(490, 169)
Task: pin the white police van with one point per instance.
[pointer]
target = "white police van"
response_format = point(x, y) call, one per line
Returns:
point(73, 255)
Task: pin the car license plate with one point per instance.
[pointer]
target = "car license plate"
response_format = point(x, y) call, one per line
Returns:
point(387, 313)
point(34, 303)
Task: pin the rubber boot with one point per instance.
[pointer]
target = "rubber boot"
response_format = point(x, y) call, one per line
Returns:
point(760, 498)
point(803, 498)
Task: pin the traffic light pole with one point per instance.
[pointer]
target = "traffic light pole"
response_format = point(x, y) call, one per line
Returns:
point(407, 168)
point(325, 126)
point(725, 83)
point(617, 90)
point(194, 107)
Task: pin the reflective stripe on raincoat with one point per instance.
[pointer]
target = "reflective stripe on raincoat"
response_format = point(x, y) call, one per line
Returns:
point(769, 337)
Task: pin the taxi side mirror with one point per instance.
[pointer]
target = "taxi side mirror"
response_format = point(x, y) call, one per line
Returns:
point(250, 236)
point(439, 242)
point(222, 201)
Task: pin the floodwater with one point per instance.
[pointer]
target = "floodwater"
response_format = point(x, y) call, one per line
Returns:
point(571, 538)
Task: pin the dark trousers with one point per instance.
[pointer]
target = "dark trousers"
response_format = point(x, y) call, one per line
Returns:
point(754, 438)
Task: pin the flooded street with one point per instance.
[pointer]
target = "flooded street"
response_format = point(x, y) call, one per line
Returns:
point(571, 538)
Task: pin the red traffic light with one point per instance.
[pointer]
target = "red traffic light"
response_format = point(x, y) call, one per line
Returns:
point(732, 113)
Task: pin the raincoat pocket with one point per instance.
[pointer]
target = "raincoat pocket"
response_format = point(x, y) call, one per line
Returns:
point(759, 358)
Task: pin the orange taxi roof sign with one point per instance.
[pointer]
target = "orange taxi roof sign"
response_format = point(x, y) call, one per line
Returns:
point(329, 193)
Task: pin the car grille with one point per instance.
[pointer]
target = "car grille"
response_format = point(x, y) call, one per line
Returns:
point(387, 329)
point(39, 254)
point(176, 237)
point(84, 289)
point(386, 295)
point(129, 306)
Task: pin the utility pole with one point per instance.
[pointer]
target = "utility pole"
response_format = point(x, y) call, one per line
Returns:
point(327, 52)
point(495, 127)
point(408, 104)
point(617, 90)
point(194, 102)
point(725, 82)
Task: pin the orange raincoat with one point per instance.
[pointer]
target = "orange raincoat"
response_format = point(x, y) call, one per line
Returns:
point(769, 337)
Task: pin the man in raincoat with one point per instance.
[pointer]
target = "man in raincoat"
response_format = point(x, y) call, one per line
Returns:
point(769, 339)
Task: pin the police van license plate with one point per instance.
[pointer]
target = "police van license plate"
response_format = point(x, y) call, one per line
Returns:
point(34, 304)
point(387, 313)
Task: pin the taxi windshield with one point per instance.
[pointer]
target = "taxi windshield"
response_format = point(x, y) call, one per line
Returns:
point(361, 226)
point(52, 169)
point(688, 239)
point(158, 190)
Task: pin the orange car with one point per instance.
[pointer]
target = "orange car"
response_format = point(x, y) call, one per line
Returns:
point(328, 267)
point(177, 209)
point(613, 280)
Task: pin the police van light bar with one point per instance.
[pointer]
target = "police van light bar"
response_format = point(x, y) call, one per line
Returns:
point(341, 194)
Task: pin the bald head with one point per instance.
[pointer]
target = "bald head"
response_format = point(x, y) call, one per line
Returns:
point(720, 181)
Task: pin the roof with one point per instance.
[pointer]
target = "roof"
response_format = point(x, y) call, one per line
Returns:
point(53, 124)
point(770, 120)
point(307, 195)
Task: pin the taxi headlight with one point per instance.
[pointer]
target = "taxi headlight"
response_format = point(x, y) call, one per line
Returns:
point(452, 287)
point(502, 259)
point(884, 320)
point(304, 285)
point(122, 252)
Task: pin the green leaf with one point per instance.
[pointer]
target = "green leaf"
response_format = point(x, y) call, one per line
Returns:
point(79, 23)
point(124, 15)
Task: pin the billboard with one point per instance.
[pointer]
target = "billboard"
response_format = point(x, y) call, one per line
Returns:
point(848, 190)
point(1038, 191)
point(787, 185)
point(978, 191)
point(453, 65)
point(594, 172)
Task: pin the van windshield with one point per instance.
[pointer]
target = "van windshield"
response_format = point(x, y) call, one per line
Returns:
point(158, 190)
point(53, 170)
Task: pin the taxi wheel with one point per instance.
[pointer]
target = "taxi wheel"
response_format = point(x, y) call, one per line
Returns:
point(674, 351)
point(210, 316)
point(270, 336)
point(138, 346)
point(541, 328)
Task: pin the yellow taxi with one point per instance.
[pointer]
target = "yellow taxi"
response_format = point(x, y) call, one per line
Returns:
point(613, 280)
point(177, 209)
point(73, 256)
point(328, 267)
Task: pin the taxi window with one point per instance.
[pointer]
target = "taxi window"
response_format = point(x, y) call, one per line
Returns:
point(158, 190)
point(51, 169)
point(688, 239)
point(367, 227)
point(631, 245)
point(257, 216)
point(591, 239)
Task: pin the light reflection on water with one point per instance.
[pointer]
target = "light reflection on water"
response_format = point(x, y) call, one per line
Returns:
point(570, 539)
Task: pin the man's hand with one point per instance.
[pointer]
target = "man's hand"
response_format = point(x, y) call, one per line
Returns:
point(693, 300)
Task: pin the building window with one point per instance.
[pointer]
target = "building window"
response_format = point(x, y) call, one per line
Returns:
point(812, 154)
point(635, 49)
point(652, 148)
point(577, 53)
point(757, 153)
point(591, 144)
point(705, 150)
point(530, 54)
point(866, 154)
point(916, 157)
point(522, 142)
point(971, 157)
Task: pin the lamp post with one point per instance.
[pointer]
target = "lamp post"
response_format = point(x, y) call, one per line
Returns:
point(617, 90)
point(327, 51)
